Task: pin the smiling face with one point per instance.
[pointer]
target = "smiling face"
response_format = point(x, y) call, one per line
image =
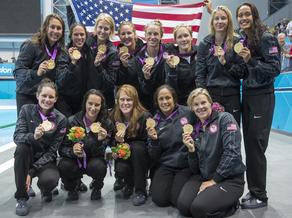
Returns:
point(183, 39)
point(220, 21)
point(78, 36)
point(103, 31)
point(153, 36)
point(126, 104)
point(127, 35)
point(46, 99)
point(202, 107)
point(245, 18)
point(54, 31)
point(165, 101)
point(93, 106)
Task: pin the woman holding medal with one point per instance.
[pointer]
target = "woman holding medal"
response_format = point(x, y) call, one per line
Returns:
point(215, 160)
point(166, 148)
point(181, 63)
point(148, 64)
point(106, 60)
point(39, 131)
point(261, 55)
point(74, 83)
point(87, 155)
point(130, 118)
point(219, 69)
point(40, 57)
point(128, 48)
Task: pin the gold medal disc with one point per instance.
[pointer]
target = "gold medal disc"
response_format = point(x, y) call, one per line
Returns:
point(76, 54)
point(150, 123)
point(175, 60)
point(124, 49)
point(149, 61)
point(47, 125)
point(188, 128)
point(51, 64)
point(121, 127)
point(95, 127)
point(102, 49)
point(238, 47)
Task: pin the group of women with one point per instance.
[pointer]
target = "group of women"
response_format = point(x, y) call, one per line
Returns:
point(190, 146)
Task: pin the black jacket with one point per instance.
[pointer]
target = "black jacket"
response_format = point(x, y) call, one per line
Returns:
point(124, 76)
point(263, 67)
point(168, 150)
point(31, 55)
point(92, 147)
point(74, 82)
point(211, 74)
point(182, 77)
point(146, 88)
point(45, 148)
point(217, 153)
point(104, 75)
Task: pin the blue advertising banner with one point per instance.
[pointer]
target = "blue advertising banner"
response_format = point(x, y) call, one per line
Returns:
point(6, 70)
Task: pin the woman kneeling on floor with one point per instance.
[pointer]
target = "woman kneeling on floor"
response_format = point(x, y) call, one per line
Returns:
point(215, 159)
point(83, 149)
point(39, 131)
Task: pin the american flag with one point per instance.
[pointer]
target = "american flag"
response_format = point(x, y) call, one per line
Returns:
point(86, 11)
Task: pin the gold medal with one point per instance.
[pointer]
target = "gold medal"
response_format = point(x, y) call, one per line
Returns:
point(238, 47)
point(95, 127)
point(149, 61)
point(188, 128)
point(124, 49)
point(51, 64)
point(175, 60)
point(76, 54)
point(47, 125)
point(150, 123)
point(121, 127)
point(102, 49)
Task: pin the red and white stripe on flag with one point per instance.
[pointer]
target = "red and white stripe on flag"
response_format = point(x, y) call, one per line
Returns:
point(170, 16)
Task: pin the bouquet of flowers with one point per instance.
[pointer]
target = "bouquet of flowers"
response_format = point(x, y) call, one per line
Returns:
point(122, 150)
point(76, 134)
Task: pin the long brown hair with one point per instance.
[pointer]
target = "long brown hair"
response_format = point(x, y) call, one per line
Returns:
point(41, 36)
point(257, 29)
point(137, 112)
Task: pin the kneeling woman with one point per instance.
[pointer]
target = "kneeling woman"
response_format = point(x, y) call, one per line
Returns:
point(39, 131)
point(166, 148)
point(86, 155)
point(215, 159)
point(131, 116)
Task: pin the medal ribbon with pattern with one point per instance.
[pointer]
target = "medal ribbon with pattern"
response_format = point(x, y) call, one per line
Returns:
point(51, 61)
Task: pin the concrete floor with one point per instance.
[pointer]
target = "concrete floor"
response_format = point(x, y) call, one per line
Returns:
point(279, 155)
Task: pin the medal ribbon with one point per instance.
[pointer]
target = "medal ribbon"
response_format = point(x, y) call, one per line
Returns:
point(52, 56)
point(212, 48)
point(157, 58)
point(84, 164)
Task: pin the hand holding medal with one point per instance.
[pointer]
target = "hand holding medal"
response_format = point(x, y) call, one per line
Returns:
point(121, 131)
point(124, 55)
point(38, 132)
point(75, 54)
point(172, 60)
point(150, 127)
point(187, 138)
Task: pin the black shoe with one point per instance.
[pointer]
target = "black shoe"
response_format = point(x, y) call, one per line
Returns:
point(95, 194)
point(55, 191)
point(91, 184)
point(246, 197)
point(47, 197)
point(139, 199)
point(119, 184)
point(81, 187)
point(127, 192)
point(253, 203)
point(31, 192)
point(72, 196)
point(22, 208)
